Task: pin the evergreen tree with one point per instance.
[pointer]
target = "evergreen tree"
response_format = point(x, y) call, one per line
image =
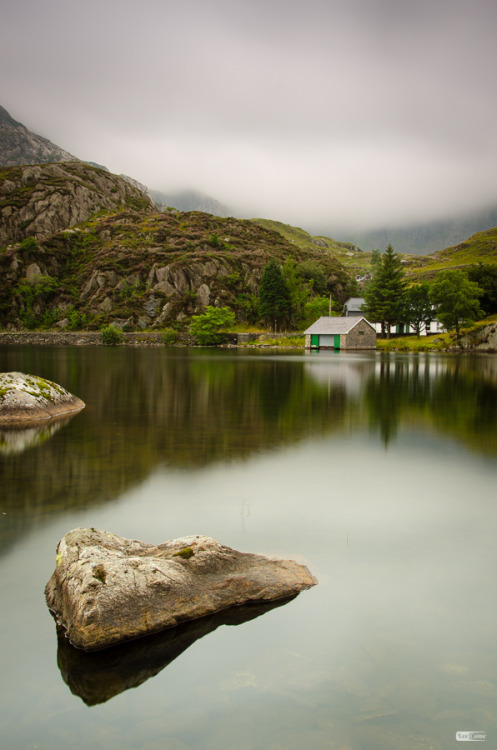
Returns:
point(384, 297)
point(274, 297)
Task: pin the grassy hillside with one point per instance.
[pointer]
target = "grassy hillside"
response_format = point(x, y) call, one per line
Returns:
point(355, 260)
point(480, 248)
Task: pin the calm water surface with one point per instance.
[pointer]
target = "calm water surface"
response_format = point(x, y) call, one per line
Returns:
point(377, 471)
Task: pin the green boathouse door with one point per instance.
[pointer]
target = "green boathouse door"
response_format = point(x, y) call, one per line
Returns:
point(315, 340)
point(336, 341)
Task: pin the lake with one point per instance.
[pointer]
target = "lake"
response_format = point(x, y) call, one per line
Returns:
point(377, 471)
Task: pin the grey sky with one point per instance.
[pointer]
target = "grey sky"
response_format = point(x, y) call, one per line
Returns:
point(346, 112)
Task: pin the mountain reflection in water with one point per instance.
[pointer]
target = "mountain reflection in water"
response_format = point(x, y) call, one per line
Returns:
point(186, 409)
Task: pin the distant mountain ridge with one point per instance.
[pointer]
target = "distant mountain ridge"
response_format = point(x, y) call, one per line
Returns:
point(189, 200)
point(18, 145)
point(424, 238)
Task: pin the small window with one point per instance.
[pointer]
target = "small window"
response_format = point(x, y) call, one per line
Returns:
point(361, 333)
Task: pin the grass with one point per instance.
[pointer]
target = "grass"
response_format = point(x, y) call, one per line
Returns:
point(285, 342)
point(437, 342)
point(434, 343)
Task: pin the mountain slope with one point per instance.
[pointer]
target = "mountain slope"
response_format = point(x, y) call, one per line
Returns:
point(42, 199)
point(479, 248)
point(18, 145)
point(351, 256)
point(131, 265)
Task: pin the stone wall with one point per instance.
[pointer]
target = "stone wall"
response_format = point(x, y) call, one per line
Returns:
point(362, 336)
point(75, 338)
point(94, 338)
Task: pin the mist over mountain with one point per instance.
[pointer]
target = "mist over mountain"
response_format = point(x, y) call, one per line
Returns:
point(421, 238)
point(19, 146)
point(190, 200)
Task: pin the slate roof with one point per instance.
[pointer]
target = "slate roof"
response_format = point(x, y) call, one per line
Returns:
point(335, 325)
point(354, 304)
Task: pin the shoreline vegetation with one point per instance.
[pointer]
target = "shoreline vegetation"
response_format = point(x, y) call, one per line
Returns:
point(440, 342)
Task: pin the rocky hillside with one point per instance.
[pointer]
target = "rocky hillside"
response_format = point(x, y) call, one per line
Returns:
point(18, 145)
point(71, 260)
point(40, 200)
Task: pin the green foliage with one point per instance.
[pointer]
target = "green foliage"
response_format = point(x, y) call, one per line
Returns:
point(206, 328)
point(29, 244)
point(111, 335)
point(384, 297)
point(46, 286)
point(317, 307)
point(215, 241)
point(314, 272)
point(418, 307)
point(456, 300)
point(169, 336)
point(298, 289)
point(485, 275)
point(274, 297)
point(77, 320)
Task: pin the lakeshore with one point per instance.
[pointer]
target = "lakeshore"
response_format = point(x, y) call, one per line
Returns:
point(483, 338)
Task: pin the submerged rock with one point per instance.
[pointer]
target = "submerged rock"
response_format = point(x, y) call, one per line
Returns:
point(27, 399)
point(106, 590)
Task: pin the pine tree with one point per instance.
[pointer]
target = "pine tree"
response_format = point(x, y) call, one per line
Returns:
point(385, 294)
point(274, 297)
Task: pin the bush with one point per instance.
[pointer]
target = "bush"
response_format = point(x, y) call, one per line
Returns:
point(29, 244)
point(205, 328)
point(169, 336)
point(111, 335)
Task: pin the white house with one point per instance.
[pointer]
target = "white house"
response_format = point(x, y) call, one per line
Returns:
point(353, 308)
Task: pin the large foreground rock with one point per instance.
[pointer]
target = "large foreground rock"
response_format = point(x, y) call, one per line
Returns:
point(106, 589)
point(27, 399)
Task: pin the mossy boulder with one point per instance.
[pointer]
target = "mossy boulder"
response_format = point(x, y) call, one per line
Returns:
point(27, 399)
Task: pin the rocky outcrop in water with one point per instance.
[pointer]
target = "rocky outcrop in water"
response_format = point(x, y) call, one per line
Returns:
point(27, 399)
point(106, 589)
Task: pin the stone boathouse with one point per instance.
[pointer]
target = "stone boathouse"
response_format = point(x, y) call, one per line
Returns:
point(340, 333)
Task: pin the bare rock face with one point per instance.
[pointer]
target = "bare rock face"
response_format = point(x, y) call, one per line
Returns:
point(43, 199)
point(27, 399)
point(106, 590)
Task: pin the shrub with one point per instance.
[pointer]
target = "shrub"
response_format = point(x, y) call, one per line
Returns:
point(111, 335)
point(205, 328)
point(169, 336)
point(29, 244)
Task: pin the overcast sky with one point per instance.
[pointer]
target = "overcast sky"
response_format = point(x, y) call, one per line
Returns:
point(352, 113)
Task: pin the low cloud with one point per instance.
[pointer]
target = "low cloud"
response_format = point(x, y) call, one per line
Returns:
point(355, 113)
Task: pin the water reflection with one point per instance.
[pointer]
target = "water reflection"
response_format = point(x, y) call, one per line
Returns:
point(186, 410)
point(97, 677)
point(15, 440)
